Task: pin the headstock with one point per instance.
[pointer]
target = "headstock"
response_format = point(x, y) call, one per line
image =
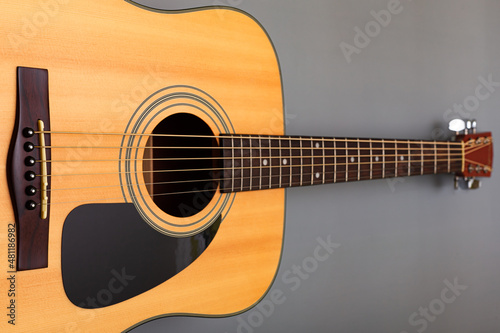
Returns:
point(478, 153)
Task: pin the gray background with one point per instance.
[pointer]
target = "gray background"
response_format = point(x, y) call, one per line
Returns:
point(399, 240)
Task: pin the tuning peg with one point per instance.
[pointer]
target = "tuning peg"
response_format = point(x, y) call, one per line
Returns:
point(457, 125)
point(473, 126)
point(470, 127)
point(473, 184)
point(467, 183)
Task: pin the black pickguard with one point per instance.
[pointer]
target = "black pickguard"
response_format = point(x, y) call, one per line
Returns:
point(109, 254)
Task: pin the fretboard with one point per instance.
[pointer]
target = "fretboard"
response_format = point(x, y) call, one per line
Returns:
point(253, 162)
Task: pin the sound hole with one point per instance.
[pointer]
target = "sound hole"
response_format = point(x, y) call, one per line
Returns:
point(182, 172)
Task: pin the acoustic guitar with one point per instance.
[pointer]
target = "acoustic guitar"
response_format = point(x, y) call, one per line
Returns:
point(146, 161)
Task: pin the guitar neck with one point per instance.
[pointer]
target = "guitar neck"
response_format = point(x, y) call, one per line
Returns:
point(253, 162)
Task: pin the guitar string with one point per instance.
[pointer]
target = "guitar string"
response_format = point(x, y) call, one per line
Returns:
point(234, 167)
point(284, 149)
point(240, 157)
point(420, 144)
point(346, 141)
point(374, 170)
point(141, 184)
point(245, 188)
point(267, 147)
point(228, 136)
point(388, 170)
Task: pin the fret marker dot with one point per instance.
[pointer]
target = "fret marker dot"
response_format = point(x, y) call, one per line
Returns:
point(264, 162)
point(317, 145)
point(377, 159)
point(353, 159)
point(285, 161)
point(402, 158)
point(317, 174)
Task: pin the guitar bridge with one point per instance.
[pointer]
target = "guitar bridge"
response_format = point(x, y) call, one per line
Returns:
point(28, 170)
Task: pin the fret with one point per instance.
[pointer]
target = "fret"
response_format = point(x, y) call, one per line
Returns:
point(324, 160)
point(346, 161)
point(270, 164)
point(313, 149)
point(280, 163)
point(383, 158)
point(256, 164)
point(422, 157)
point(449, 158)
point(242, 163)
point(290, 161)
point(251, 162)
point(301, 164)
point(435, 157)
point(296, 162)
point(359, 161)
point(334, 161)
point(409, 158)
point(371, 159)
point(396, 159)
point(232, 164)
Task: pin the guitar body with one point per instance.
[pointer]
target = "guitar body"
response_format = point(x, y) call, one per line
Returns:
point(115, 67)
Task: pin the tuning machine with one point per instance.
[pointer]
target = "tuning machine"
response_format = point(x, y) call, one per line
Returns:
point(465, 183)
point(463, 128)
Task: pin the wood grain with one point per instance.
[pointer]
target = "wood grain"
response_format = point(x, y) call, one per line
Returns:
point(105, 58)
